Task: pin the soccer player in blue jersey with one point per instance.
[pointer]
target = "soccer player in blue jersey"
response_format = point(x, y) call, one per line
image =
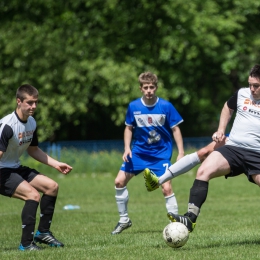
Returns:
point(151, 124)
point(17, 135)
point(240, 154)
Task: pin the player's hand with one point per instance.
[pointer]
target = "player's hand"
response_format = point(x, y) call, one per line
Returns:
point(218, 136)
point(180, 155)
point(63, 168)
point(127, 153)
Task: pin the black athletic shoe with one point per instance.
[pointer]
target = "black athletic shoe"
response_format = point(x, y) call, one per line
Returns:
point(182, 219)
point(121, 226)
point(47, 238)
point(31, 247)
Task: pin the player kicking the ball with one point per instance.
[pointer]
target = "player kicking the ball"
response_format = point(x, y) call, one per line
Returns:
point(152, 122)
point(240, 154)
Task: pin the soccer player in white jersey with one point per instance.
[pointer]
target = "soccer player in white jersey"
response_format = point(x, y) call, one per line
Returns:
point(240, 154)
point(17, 135)
point(151, 124)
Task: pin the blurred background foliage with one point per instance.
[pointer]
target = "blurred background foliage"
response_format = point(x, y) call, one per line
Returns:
point(85, 56)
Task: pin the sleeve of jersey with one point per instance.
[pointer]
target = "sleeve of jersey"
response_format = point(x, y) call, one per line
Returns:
point(175, 118)
point(34, 141)
point(6, 133)
point(232, 102)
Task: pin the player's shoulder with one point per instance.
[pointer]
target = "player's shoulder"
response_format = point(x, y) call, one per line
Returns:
point(31, 119)
point(135, 101)
point(32, 122)
point(8, 119)
point(164, 101)
point(6, 126)
point(244, 91)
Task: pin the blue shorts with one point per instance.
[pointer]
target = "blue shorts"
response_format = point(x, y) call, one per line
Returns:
point(137, 164)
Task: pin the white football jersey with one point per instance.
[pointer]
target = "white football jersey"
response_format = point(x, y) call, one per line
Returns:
point(245, 132)
point(15, 138)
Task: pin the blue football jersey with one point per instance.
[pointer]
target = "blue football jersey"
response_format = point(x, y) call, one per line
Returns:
point(152, 128)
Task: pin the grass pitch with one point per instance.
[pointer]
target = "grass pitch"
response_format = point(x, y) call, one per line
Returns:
point(227, 228)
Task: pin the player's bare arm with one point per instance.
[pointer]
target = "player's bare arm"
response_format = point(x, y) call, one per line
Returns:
point(225, 117)
point(36, 153)
point(179, 141)
point(127, 142)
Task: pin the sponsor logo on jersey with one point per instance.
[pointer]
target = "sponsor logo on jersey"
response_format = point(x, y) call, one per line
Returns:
point(24, 141)
point(23, 137)
point(255, 112)
point(162, 120)
point(244, 108)
point(145, 120)
point(248, 101)
point(141, 121)
point(154, 137)
point(137, 112)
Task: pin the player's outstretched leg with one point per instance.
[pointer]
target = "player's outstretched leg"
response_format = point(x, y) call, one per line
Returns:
point(151, 180)
point(185, 219)
point(121, 227)
point(47, 238)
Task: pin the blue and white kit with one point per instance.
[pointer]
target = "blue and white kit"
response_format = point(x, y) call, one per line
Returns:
point(152, 141)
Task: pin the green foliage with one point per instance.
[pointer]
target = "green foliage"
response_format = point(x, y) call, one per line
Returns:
point(85, 57)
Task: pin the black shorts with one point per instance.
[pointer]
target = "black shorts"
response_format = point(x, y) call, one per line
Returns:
point(241, 161)
point(10, 178)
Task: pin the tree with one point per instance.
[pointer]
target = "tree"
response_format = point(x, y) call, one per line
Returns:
point(85, 58)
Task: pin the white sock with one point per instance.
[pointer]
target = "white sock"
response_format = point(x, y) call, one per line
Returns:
point(171, 204)
point(121, 201)
point(181, 166)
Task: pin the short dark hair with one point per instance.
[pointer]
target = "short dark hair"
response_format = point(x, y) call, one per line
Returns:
point(26, 89)
point(255, 71)
point(147, 77)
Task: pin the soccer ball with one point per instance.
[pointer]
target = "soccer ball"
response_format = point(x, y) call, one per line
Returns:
point(175, 234)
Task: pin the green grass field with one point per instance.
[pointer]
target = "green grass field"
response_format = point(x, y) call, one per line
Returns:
point(228, 226)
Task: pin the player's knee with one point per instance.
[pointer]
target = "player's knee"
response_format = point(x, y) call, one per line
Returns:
point(119, 183)
point(33, 195)
point(204, 174)
point(256, 178)
point(201, 172)
point(167, 189)
point(53, 188)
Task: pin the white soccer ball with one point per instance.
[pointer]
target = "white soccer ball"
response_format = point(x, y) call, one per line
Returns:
point(175, 234)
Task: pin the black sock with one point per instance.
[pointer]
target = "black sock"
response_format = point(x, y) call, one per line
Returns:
point(28, 221)
point(198, 192)
point(47, 206)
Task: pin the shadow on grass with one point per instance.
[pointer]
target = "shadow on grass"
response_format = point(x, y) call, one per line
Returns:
point(215, 245)
point(146, 231)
